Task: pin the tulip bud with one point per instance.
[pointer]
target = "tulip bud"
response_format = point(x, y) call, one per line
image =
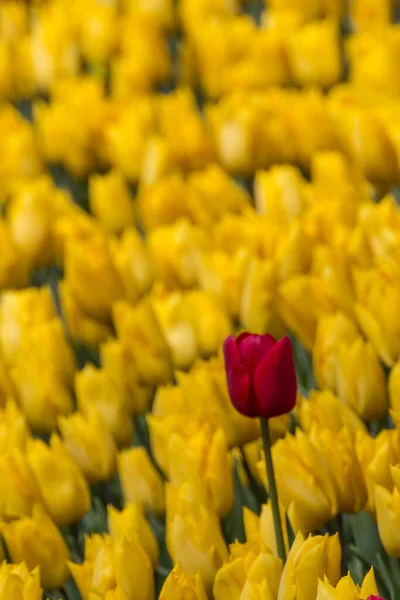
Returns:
point(280, 194)
point(194, 537)
point(211, 322)
point(332, 330)
point(361, 380)
point(388, 519)
point(138, 329)
point(37, 541)
point(140, 481)
point(309, 502)
point(90, 444)
point(173, 250)
point(19, 311)
point(177, 326)
point(180, 586)
point(261, 529)
point(251, 572)
point(20, 488)
point(92, 277)
point(16, 581)
point(309, 560)
point(192, 451)
point(131, 523)
point(345, 468)
point(14, 431)
point(257, 311)
point(133, 263)
point(254, 366)
point(64, 490)
point(96, 389)
point(326, 411)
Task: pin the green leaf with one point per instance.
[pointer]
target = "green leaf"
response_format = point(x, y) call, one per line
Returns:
point(232, 524)
point(365, 535)
point(71, 591)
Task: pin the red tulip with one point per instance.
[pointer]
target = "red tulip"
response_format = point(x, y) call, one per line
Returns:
point(261, 374)
point(375, 598)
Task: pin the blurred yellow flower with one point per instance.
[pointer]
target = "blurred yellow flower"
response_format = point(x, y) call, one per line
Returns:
point(137, 327)
point(131, 523)
point(20, 488)
point(14, 430)
point(194, 536)
point(327, 411)
point(280, 194)
point(37, 542)
point(110, 201)
point(261, 528)
point(140, 481)
point(90, 444)
point(189, 450)
point(62, 485)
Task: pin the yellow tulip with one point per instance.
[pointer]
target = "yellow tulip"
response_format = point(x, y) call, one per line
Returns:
point(14, 431)
point(37, 542)
point(173, 250)
point(109, 572)
point(81, 327)
point(96, 389)
point(257, 311)
point(346, 589)
point(280, 194)
point(177, 326)
point(211, 322)
point(138, 329)
point(110, 201)
point(16, 581)
point(307, 65)
point(222, 276)
point(12, 270)
point(19, 311)
point(43, 375)
point(293, 251)
point(332, 330)
point(261, 529)
point(180, 586)
point(326, 411)
point(133, 263)
point(301, 304)
point(20, 488)
point(344, 465)
point(194, 537)
point(140, 481)
point(92, 277)
point(203, 394)
point(163, 204)
point(361, 380)
point(90, 444)
point(309, 560)
point(304, 481)
point(388, 518)
point(161, 10)
point(131, 523)
point(376, 455)
point(251, 572)
point(189, 450)
point(62, 485)
point(118, 365)
point(97, 30)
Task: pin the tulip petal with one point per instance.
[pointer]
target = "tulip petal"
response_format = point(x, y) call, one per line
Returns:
point(274, 381)
point(237, 375)
point(252, 348)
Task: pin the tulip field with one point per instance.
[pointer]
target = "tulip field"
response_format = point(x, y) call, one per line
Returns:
point(199, 300)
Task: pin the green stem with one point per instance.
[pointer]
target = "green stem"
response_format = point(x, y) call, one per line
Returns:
point(273, 494)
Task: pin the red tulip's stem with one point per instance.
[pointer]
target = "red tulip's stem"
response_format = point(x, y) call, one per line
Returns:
point(273, 494)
